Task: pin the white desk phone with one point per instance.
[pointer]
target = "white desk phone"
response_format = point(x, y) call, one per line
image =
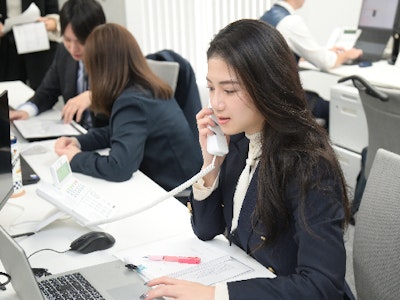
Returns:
point(75, 198)
point(344, 37)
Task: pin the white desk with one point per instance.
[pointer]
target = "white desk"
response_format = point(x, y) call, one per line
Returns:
point(165, 220)
point(380, 74)
point(348, 126)
point(18, 92)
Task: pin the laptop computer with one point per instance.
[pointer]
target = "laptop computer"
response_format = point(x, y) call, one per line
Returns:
point(376, 22)
point(112, 280)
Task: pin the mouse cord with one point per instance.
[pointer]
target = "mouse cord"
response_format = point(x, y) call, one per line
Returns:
point(47, 249)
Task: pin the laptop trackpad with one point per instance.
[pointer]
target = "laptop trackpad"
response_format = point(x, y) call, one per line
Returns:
point(128, 292)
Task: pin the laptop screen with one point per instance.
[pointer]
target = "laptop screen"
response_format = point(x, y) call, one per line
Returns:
point(379, 14)
point(6, 178)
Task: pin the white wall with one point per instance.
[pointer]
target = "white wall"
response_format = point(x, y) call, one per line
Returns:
point(114, 10)
point(322, 16)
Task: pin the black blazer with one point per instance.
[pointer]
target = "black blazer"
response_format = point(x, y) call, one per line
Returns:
point(60, 80)
point(144, 133)
point(187, 92)
point(45, 6)
point(307, 265)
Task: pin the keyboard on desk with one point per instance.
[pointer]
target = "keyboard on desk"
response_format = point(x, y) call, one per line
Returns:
point(68, 286)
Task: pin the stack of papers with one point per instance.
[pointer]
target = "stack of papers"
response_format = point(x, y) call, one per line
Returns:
point(30, 15)
point(30, 36)
point(215, 266)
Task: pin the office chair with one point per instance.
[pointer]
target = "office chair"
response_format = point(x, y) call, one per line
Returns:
point(167, 70)
point(382, 111)
point(187, 92)
point(376, 247)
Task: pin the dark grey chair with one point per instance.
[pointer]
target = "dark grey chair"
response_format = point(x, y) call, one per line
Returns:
point(376, 248)
point(382, 111)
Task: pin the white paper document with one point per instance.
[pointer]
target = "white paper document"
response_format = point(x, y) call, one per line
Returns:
point(215, 266)
point(31, 14)
point(31, 37)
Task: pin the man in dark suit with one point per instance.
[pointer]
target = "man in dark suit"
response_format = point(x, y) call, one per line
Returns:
point(78, 18)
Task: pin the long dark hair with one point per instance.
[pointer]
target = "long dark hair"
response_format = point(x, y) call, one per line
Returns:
point(115, 61)
point(293, 144)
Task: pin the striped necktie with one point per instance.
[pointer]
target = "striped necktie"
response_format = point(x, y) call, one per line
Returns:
point(82, 86)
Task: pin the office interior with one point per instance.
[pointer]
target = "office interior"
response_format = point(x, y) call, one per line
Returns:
point(187, 26)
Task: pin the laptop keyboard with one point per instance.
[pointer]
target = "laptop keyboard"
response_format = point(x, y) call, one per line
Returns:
point(70, 286)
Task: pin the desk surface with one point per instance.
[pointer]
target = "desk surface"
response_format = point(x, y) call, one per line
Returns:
point(18, 92)
point(381, 73)
point(163, 221)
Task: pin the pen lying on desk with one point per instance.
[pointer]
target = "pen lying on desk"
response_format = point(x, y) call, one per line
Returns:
point(179, 259)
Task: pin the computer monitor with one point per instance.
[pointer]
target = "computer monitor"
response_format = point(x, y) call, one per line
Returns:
point(379, 14)
point(396, 37)
point(6, 177)
point(377, 20)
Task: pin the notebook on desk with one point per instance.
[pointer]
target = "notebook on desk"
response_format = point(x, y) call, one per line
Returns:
point(111, 280)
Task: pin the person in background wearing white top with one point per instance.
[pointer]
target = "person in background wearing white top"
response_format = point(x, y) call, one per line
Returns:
point(30, 67)
point(300, 40)
point(279, 194)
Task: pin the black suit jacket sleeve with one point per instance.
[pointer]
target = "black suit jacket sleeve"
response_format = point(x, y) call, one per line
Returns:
point(45, 6)
point(60, 80)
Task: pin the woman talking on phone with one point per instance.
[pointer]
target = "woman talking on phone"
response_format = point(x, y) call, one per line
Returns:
point(279, 194)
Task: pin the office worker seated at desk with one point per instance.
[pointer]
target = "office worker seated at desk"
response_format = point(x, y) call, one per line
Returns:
point(304, 45)
point(147, 129)
point(66, 76)
point(288, 208)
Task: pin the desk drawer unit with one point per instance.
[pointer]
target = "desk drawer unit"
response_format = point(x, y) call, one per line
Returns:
point(350, 163)
point(347, 123)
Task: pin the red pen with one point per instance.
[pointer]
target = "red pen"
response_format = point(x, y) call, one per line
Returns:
point(179, 259)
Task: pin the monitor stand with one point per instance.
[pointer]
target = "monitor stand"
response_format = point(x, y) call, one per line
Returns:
point(395, 49)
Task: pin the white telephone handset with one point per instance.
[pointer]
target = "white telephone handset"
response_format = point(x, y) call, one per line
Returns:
point(216, 143)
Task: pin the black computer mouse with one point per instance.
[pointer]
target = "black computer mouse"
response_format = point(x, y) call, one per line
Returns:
point(93, 241)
